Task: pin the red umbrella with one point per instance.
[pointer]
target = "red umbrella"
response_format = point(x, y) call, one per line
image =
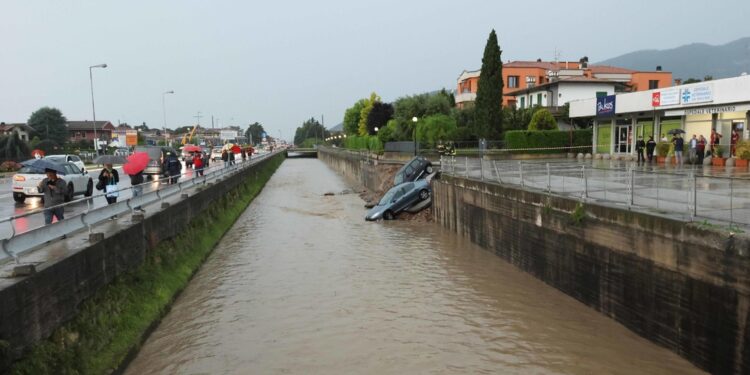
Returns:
point(136, 163)
point(191, 148)
point(236, 149)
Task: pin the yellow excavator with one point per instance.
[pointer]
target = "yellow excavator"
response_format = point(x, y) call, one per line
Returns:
point(187, 138)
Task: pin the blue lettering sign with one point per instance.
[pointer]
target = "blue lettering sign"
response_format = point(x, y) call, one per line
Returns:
point(605, 106)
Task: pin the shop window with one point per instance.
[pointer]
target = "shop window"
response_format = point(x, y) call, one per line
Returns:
point(512, 82)
point(653, 84)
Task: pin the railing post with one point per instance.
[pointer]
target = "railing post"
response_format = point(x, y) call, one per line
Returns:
point(731, 200)
point(520, 172)
point(695, 195)
point(497, 173)
point(585, 182)
point(466, 167)
point(549, 181)
point(631, 187)
point(481, 168)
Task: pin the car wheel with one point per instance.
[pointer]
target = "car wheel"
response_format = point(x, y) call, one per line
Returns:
point(429, 169)
point(424, 194)
point(89, 188)
point(388, 215)
point(71, 191)
point(18, 197)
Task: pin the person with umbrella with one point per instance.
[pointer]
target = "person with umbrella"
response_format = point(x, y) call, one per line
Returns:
point(134, 168)
point(54, 189)
point(173, 167)
point(108, 180)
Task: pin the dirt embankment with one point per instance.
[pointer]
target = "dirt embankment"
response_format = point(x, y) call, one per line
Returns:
point(386, 172)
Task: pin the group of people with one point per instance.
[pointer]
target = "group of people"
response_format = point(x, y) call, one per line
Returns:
point(697, 147)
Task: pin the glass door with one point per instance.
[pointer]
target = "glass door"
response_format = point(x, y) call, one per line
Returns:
point(623, 138)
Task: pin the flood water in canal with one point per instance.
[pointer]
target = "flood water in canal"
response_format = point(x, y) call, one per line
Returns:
point(303, 285)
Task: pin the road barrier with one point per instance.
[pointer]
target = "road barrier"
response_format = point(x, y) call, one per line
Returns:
point(18, 243)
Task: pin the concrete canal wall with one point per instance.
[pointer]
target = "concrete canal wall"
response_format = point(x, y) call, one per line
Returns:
point(680, 285)
point(357, 167)
point(683, 286)
point(86, 313)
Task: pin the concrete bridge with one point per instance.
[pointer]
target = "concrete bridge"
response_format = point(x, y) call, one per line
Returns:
point(302, 153)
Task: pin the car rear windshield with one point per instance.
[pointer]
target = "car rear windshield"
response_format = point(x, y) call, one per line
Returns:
point(56, 159)
point(153, 152)
point(30, 170)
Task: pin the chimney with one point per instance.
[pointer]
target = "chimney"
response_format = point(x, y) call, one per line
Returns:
point(677, 81)
point(658, 68)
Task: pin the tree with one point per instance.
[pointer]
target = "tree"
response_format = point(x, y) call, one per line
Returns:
point(365, 113)
point(352, 116)
point(310, 129)
point(13, 148)
point(142, 127)
point(691, 80)
point(489, 116)
point(49, 124)
point(436, 128)
point(379, 116)
point(254, 132)
point(542, 120)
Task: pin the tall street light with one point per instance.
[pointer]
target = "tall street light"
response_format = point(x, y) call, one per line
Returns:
point(414, 120)
point(164, 111)
point(93, 108)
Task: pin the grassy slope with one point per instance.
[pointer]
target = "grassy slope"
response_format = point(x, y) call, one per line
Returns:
point(113, 322)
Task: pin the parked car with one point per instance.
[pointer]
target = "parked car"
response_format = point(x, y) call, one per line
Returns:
point(124, 152)
point(27, 179)
point(75, 159)
point(156, 154)
point(400, 198)
point(415, 169)
point(216, 154)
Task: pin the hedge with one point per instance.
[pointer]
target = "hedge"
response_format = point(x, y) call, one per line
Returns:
point(548, 141)
point(368, 142)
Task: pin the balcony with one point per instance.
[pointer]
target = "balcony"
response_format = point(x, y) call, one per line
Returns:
point(466, 97)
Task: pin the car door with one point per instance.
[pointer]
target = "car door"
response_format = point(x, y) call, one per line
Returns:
point(401, 197)
point(74, 175)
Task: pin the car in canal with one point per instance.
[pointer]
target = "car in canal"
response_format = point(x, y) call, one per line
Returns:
point(26, 180)
point(408, 196)
point(415, 169)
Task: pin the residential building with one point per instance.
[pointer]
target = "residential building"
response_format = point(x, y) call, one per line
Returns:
point(522, 75)
point(722, 105)
point(80, 130)
point(24, 131)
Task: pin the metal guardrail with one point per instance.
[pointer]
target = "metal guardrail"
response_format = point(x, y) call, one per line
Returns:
point(20, 243)
point(688, 196)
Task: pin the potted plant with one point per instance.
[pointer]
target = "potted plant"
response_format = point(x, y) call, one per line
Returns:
point(717, 159)
point(742, 152)
point(662, 149)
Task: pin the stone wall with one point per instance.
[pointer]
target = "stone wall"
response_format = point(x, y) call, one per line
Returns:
point(34, 306)
point(680, 285)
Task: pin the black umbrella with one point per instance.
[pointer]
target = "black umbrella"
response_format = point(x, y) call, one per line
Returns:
point(109, 159)
point(43, 164)
point(676, 131)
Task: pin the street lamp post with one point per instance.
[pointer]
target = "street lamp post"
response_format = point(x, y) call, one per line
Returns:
point(164, 111)
point(414, 120)
point(93, 108)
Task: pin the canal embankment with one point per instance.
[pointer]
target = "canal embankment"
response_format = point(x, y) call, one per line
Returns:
point(89, 312)
point(683, 286)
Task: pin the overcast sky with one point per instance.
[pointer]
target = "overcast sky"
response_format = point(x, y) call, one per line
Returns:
point(281, 62)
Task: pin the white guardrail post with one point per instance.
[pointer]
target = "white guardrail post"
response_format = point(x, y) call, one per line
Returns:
point(18, 244)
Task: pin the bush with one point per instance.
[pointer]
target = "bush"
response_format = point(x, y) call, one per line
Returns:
point(742, 150)
point(9, 166)
point(542, 120)
point(367, 142)
point(548, 141)
point(662, 149)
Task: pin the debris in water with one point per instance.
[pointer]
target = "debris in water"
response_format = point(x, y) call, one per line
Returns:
point(328, 194)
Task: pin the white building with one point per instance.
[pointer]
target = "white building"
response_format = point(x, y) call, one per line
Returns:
point(696, 108)
point(556, 93)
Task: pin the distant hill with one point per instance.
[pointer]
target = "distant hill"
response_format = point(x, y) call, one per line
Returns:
point(695, 60)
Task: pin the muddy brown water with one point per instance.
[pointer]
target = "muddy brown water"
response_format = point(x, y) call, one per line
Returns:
point(303, 285)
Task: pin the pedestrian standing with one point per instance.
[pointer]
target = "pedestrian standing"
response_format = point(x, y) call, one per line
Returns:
point(693, 149)
point(231, 157)
point(108, 180)
point(679, 145)
point(198, 164)
point(640, 145)
point(173, 167)
point(701, 149)
point(650, 147)
point(244, 155)
point(733, 140)
point(54, 189)
point(715, 140)
point(206, 160)
point(225, 158)
point(136, 181)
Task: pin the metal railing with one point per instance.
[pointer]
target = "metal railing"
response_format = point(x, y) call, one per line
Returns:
point(688, 196)
point(19, 240)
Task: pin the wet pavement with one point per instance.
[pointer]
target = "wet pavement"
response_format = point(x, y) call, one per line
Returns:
point(301, 284)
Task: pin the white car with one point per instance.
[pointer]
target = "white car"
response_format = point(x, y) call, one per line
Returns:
point(216, 154)
point(67, 158)
point(27, 179)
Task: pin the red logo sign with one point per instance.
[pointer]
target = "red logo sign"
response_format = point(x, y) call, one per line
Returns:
point(655, 99)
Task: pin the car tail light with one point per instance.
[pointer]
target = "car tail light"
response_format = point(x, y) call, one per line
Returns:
point(19, 178)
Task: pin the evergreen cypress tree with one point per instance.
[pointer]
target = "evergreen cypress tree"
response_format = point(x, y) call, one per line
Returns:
point(489, 114)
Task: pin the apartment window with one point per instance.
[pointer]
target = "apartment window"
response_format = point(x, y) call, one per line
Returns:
point(523, 102)
point(601, 94)
point(653, 84)
point(512, 82)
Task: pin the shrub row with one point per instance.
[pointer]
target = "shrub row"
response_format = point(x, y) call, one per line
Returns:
point(548, 141)
point(368, 142)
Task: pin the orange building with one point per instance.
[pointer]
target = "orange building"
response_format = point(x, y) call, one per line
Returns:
point(521, 75)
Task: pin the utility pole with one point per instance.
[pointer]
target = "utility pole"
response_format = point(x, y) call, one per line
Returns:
point(198, 117)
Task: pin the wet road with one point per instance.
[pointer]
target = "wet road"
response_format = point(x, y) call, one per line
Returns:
point(302, 284)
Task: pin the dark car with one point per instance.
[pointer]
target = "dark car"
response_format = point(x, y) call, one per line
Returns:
point(402, 197)
point(156, 154)
point(415, 169)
